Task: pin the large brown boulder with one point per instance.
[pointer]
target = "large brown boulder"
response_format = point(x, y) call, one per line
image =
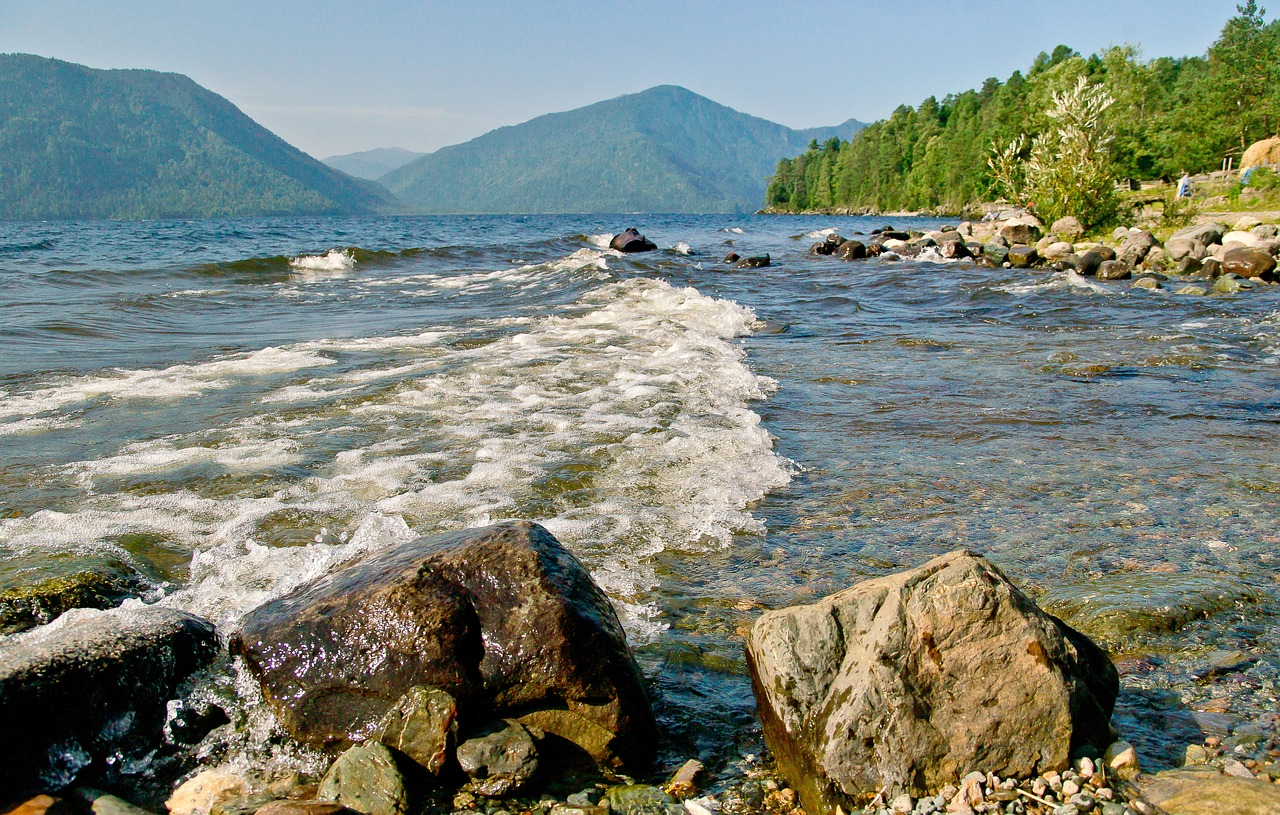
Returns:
point(909, 682)
point(1249, 262)
point(1262, 152)
point(504, 619)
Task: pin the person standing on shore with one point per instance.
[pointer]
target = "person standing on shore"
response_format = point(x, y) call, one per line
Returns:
point(1184, 185)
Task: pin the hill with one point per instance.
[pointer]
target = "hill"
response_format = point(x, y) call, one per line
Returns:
point(372, 164)
point(77, 142)
point(666, 149)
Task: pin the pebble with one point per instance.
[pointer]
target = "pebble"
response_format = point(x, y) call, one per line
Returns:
point(1070, 787)
point(1083, 801)
point(1233, 767)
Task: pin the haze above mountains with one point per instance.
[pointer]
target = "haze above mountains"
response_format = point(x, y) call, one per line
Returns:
point(77, 142)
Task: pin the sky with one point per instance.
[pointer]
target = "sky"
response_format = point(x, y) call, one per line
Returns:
point(335, 77)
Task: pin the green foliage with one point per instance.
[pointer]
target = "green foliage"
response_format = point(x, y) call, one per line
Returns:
point(1167, 116)
point(1069, 170)
point(663, 150)
point(82, 143)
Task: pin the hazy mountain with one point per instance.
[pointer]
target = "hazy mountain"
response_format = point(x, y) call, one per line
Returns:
point(372, 164)
point(76, 142)
point(666, 149)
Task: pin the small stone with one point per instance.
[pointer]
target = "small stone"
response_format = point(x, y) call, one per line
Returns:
point(243, 805)
point(1104, 794)
point(304, 808)
point(41, 805)
point(693, 806)
point(1064, 809)
point(101, 803)
point(1121, 760)
point(902, 803)
point(1149, 283)
point(576, 809)
point(586, 798)
point(1212, 741)
point(366, 779)
point(423, 725)
point(1142, 807)
point(1039, 787)
point(685, 782)
point(1233, 767)
point(198, 794)
point(1110, 808)
point(1192, 291)
point(639, 799)
point(1083, 802)
point(464, 800)
point(500, 760)
point(1070, 787)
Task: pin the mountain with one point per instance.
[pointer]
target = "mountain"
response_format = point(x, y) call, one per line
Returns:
point(666, 149)
point(77, 142)
point(372, 164)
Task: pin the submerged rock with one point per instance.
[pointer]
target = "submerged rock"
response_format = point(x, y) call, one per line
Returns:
point(504, 619)
point(91, 685)
point(756, 262)
point(909, 682)
point(26, 606)
point(632, 241)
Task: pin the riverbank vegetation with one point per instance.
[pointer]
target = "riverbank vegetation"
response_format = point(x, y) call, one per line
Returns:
point(1167, 116)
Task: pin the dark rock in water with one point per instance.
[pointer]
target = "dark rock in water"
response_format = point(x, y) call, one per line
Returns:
point(1189, 266)
point(26, 606)
point(1069, 262)
point(893, 235)
point(908, 682)
point(853, 250)
point(1249, 262)
point(1211, 268)
point(874, 249)
point(1090, 262)
point(90, 685)
point(504, 619)
point(1229, 283)
point(1114, 270)
point(1023, 257)
point(995, 253)
point(631, 241)
point(732, 257)
point(1135, 248)
point(365, 778)
point(822, 248)
point(997, 240)
point(756, 262)
point(500, 760)
point(834, 239)
point(908, 251)
point(423, 725)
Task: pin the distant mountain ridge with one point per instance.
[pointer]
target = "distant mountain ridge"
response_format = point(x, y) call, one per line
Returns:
point(372, 164)
point(665, 149)
point(78, 142)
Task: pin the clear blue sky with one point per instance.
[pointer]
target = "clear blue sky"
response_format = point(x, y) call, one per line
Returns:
point(336, 77)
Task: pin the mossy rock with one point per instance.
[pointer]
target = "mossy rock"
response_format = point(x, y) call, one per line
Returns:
point(28, 605)
point(1118, 607)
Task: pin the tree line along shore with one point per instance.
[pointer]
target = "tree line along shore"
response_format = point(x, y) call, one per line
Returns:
point(1163, 118)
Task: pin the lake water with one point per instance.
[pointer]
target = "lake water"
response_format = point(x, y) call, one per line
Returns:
point(232, 407)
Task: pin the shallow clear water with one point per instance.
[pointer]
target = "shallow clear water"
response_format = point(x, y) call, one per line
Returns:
point(234, 406)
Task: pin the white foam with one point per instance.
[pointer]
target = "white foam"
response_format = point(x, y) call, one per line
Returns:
point(335, 260)
point(682, 248)
point(737, 230)
point(168, 384)
point(819, 234)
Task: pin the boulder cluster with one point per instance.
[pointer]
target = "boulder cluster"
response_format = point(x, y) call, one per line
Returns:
point(474, 671)
point(1201, 259)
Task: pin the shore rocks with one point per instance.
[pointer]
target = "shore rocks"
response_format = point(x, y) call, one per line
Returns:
point(1016, 232)
point(910, 681)
point(423, 725)
point(1194, 791)
point(1023, 257)
point(1114, 270)
point(90, 685)
point(1135, 247)
point(1068, 228)
point(365, 778)
point(1249, 263)
point(504, 619)
point(631, 240)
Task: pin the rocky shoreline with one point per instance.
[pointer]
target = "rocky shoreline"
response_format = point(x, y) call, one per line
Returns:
point(484, 672)
point(1210, 258)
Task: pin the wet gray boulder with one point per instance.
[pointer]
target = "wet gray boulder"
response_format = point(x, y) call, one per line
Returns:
point(909, 682)
point(504, 619)
point(1248, 262)
point(1208, 234)
point(951, 245)
point(366, 779)
point(755, 262)
point(631, 240)
point(1182, 248)
point(92, 684)
point(995, 252)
